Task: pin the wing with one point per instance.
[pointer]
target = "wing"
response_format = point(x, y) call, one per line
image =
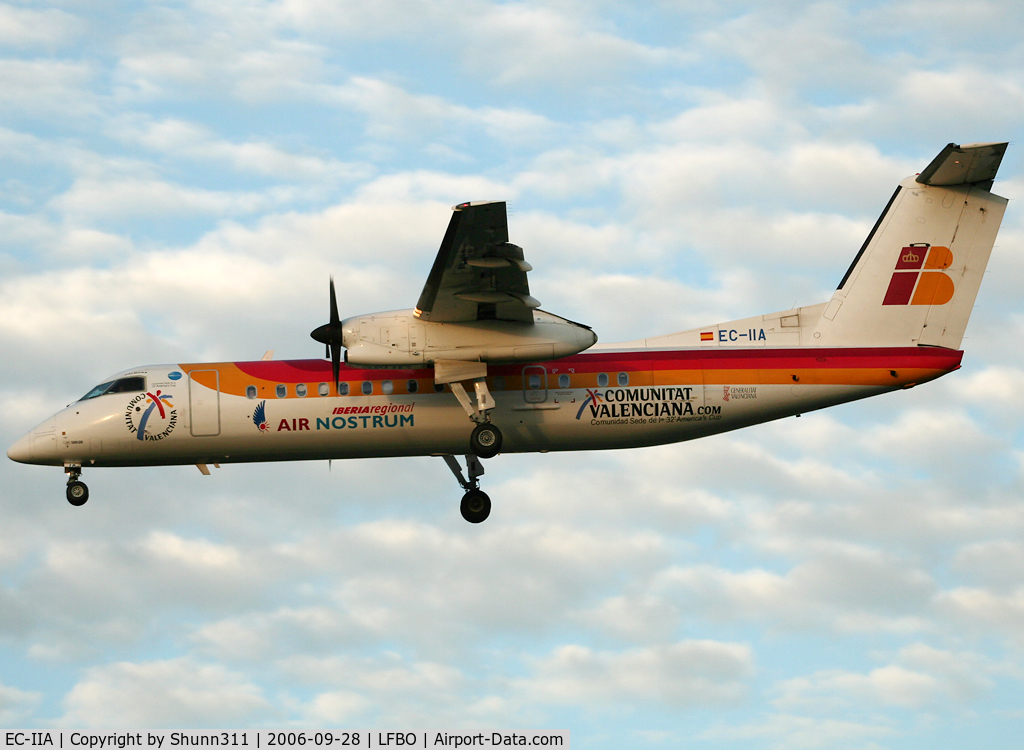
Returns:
point(478, 274)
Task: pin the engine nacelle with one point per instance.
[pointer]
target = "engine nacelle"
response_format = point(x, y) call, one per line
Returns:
point(399, 339)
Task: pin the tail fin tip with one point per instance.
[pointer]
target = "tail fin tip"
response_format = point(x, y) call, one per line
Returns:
point(916, 277)
point(969, 164)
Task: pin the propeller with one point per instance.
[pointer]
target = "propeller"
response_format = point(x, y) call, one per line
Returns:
point(330, 334)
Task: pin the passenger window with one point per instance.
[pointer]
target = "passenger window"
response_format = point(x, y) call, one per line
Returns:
point(563, 381)
point(367, 387)
point(602, 380)
point(623, 378)
point(412, 386)
point(250, 391)
point(323, 389)
point(534, 381)
point(282, 391)
point(388, 387)
point(300, 389)
point(438, 387)
point(343, 389)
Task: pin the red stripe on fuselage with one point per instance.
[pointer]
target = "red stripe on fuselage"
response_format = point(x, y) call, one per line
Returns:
point(306, 370)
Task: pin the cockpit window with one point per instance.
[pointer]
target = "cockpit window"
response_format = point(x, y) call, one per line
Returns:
point(97, 391)
point(128, 385)
point(122, 385)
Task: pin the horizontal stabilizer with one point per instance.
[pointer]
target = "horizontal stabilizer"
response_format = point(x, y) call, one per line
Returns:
point(964, 165)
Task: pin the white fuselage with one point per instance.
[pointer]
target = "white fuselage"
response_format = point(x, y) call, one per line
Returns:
point(268, 411)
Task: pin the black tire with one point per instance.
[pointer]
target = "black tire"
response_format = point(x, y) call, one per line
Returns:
point(476, 506)
point(78, 493)
point(485, 442)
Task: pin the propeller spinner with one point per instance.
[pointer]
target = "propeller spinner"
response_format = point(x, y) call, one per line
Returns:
point(330, 334)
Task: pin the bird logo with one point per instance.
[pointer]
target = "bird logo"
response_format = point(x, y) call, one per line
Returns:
point(259, 417)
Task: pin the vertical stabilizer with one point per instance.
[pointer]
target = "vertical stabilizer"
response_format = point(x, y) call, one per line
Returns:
point(916, 278)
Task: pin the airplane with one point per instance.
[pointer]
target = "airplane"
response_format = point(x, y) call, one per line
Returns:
point(476, 368)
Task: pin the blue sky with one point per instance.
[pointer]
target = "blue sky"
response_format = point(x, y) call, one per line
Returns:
point(180, 179)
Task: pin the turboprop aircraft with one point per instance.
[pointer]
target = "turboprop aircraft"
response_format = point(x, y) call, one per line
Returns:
point(477, 368)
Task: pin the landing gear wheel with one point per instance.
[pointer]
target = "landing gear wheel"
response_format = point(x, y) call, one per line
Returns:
point(78, 493)
point(485, 441)
point(476, 506)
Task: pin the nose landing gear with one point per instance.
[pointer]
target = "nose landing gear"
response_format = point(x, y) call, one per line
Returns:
point(476, 505)
point(78, 492)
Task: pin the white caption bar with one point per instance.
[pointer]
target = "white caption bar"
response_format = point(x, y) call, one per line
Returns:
point(248, 739)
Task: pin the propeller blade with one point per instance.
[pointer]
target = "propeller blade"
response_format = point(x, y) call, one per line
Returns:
point(330, 335)
point(334, 306)
point(336, 367)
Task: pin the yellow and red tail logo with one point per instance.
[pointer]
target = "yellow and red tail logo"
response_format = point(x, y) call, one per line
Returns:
point(920, 277)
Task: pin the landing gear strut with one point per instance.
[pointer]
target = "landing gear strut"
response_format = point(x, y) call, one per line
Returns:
point(476, 505)
point(485, 441)
point(78, 492)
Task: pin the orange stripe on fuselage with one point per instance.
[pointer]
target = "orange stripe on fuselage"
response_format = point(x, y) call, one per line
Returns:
point(874, 367)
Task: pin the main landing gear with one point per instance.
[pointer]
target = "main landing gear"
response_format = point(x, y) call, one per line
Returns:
point(476, 505)
point(78, 492)
point(485, 442)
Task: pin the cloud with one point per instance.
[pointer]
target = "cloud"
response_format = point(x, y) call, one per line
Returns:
point(892, 685)
point(169, 693)
point(232, 50)
point(842, 589)
point(390, 686)
point(994, 563)
point(922, 677)
point(938, 438)
point(335, 707)
point(47, 90)
point(27, 28)
point(518, 44)
point(394, 114)
point(809, 49)
point(97, 200)
point(515, 45)
point(794, 732)
point(17, 706)
point(680, 675)
point(183, 139)
point(979, 610)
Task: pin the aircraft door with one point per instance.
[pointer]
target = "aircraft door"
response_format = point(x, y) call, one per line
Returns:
point(204, 402)
point(535, 384)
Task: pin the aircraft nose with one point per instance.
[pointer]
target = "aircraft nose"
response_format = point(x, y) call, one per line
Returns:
point(21, 451)
point(37, 446)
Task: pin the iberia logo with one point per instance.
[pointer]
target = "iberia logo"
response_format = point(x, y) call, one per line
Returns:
point(259, 417)
point(920, 277)
point(152, 422)
point(592, 397)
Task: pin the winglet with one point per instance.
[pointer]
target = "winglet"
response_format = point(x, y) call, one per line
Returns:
point(964, 165)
